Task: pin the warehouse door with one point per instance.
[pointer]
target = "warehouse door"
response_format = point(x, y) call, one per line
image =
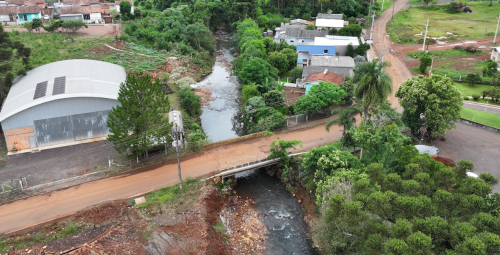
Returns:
point(90, 125)
point(54, 131)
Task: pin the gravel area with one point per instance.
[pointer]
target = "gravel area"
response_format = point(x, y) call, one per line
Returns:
point(59, 163)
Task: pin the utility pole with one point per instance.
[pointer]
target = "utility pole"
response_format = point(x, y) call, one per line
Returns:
point(496, 31)
point(392, 19)
point(383, 4)
point(177, 144)
point(371, 30)
point(425, 36)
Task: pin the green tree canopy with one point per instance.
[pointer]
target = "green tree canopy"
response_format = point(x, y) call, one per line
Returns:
point(140, 122)
point(12, 54)
point(279, 61)
point(190, 102)
point(425, 61)
point(125, 8)
point(249, 91)
point(320, 97)
point(255, 70)
point(274, 98)
point(200, 37)
point(433, 103)
point(351, 30)
point(291, 56)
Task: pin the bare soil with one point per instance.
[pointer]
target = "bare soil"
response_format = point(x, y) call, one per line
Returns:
point(205, 94)
point(293, 94)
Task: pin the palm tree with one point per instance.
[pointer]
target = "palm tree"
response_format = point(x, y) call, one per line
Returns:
point(372, 84)
point(346, 119)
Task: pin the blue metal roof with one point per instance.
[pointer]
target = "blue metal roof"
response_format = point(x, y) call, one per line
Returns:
point(317, 49)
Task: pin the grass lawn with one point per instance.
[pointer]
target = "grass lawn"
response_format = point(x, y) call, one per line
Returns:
point(454, 63)
point(486, 118)
point(467, 90)
point(387, 4)
point(478, 24)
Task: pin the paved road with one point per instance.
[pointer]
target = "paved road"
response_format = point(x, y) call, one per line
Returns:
point(36, 210)
point(482, 107)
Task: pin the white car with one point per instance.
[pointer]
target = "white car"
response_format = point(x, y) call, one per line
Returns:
point(46, 17)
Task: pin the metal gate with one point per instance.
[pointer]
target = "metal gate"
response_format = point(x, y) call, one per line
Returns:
point(14, 184)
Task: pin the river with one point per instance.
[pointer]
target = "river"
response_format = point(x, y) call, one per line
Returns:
point(216, 118)
point(282, 213)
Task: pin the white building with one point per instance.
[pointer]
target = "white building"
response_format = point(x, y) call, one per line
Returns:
point(495, 54)
point(330, 23)
point(340, 42)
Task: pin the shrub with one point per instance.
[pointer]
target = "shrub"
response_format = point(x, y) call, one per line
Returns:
point(190, 102)
point(476, 97)
point(249, 91)
point(185, 82)
point(466, 98)
point(148, 5)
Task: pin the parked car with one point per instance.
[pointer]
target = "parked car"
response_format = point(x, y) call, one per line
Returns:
point(46, 17)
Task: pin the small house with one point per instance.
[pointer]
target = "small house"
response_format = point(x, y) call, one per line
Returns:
point(329, 16)
point(28, 13)
point(325, 76)
point(70, 12)
point(329, 24)
point(298, 22)
point(340, 65)
point(8, 15)
point(92, 14)
point(305, 51)
point(295, 35)
point(39, 3)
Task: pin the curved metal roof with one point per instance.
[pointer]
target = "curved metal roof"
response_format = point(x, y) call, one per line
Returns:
point(84, 78)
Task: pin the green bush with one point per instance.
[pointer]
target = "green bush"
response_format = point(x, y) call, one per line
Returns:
point(249, 91)
point(476, 97)
point(148, 5)
point(466, 98)
point(190, 102)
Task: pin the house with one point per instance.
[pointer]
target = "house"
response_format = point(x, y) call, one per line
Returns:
point(305, 51)
point(61, 103)
point(330, 23)
point(92, 14)
point(39, 3)
point(340, 42)
point(339, 65)
point(70, 12)
point(28, 13)
point(298, 22)
point(325, 76)
point(8, 15)
point(495, 54)
point(329, 16)
point(80, 2)
point(297, 35)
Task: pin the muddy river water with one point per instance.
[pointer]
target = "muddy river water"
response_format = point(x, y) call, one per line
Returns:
point(282, 213)
point(216, 117)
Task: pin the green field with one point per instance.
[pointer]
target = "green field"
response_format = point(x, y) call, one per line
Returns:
point(478, 24)
point(486, 118)
point(467, 90)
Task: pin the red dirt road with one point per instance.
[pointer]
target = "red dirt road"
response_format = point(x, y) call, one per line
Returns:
point(35, 210)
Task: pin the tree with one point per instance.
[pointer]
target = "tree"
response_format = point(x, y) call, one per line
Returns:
point(54, 25)
point(74, 25)
point(140, 122)
point(28, 26)
point(255, 70)
point(279, 150)
point(275, 99)
point(346, 119)
point(472, 78)
point(279, 61)
point(291, 56)
point(415, 213)
point(351, 30)
point(14, 60)
point(36, 24)
point(425, 61)
point(491, 71)
point(249, 91)
point(268, 118)
point(372, 84)
point(350, 50)
point(310, 27)
point(320, 97)
point(190, 102)
point(347, 7)
point(433, 103)
point(200, 37)
point(137, 12)
point(362, 49)
point(125, 8)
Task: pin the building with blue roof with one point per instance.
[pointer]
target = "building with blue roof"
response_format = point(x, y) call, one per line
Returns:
point(305, 51)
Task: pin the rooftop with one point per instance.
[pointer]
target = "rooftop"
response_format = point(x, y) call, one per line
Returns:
point(300, 32)
point(325, 76)
point(61, 80)
point(29, 9)
point(329, 23)
point(329, 16)
point(332, 61)
point(337, 40)
point(8, 9)
point(341, 71)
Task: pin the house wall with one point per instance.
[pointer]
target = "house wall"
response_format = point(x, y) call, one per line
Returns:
point(95, 17)
point(328, 28)
point(6, 18)
point(29, 17)
point(59, 121)
point(71, 17)
point(495, 56)
point(342, 49)
point(306, 59)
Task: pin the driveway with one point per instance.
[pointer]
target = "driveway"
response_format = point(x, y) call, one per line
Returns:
point(59, 163)
point(477, 145)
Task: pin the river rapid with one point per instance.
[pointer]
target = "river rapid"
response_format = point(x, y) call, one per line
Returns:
point(282, 213)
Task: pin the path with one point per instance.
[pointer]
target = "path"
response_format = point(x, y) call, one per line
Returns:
point(35, 210)
point(482, 107)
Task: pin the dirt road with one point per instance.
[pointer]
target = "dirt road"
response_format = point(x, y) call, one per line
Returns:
point(36, 210)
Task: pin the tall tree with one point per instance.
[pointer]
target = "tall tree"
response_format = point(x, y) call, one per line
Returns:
point(200, 37)
point(372, 84)
point(140, 122)
point(347, 119)
point(491, 70)
point(433, 103)
point(125, 8)
point(425, 61)
point(12, 54)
